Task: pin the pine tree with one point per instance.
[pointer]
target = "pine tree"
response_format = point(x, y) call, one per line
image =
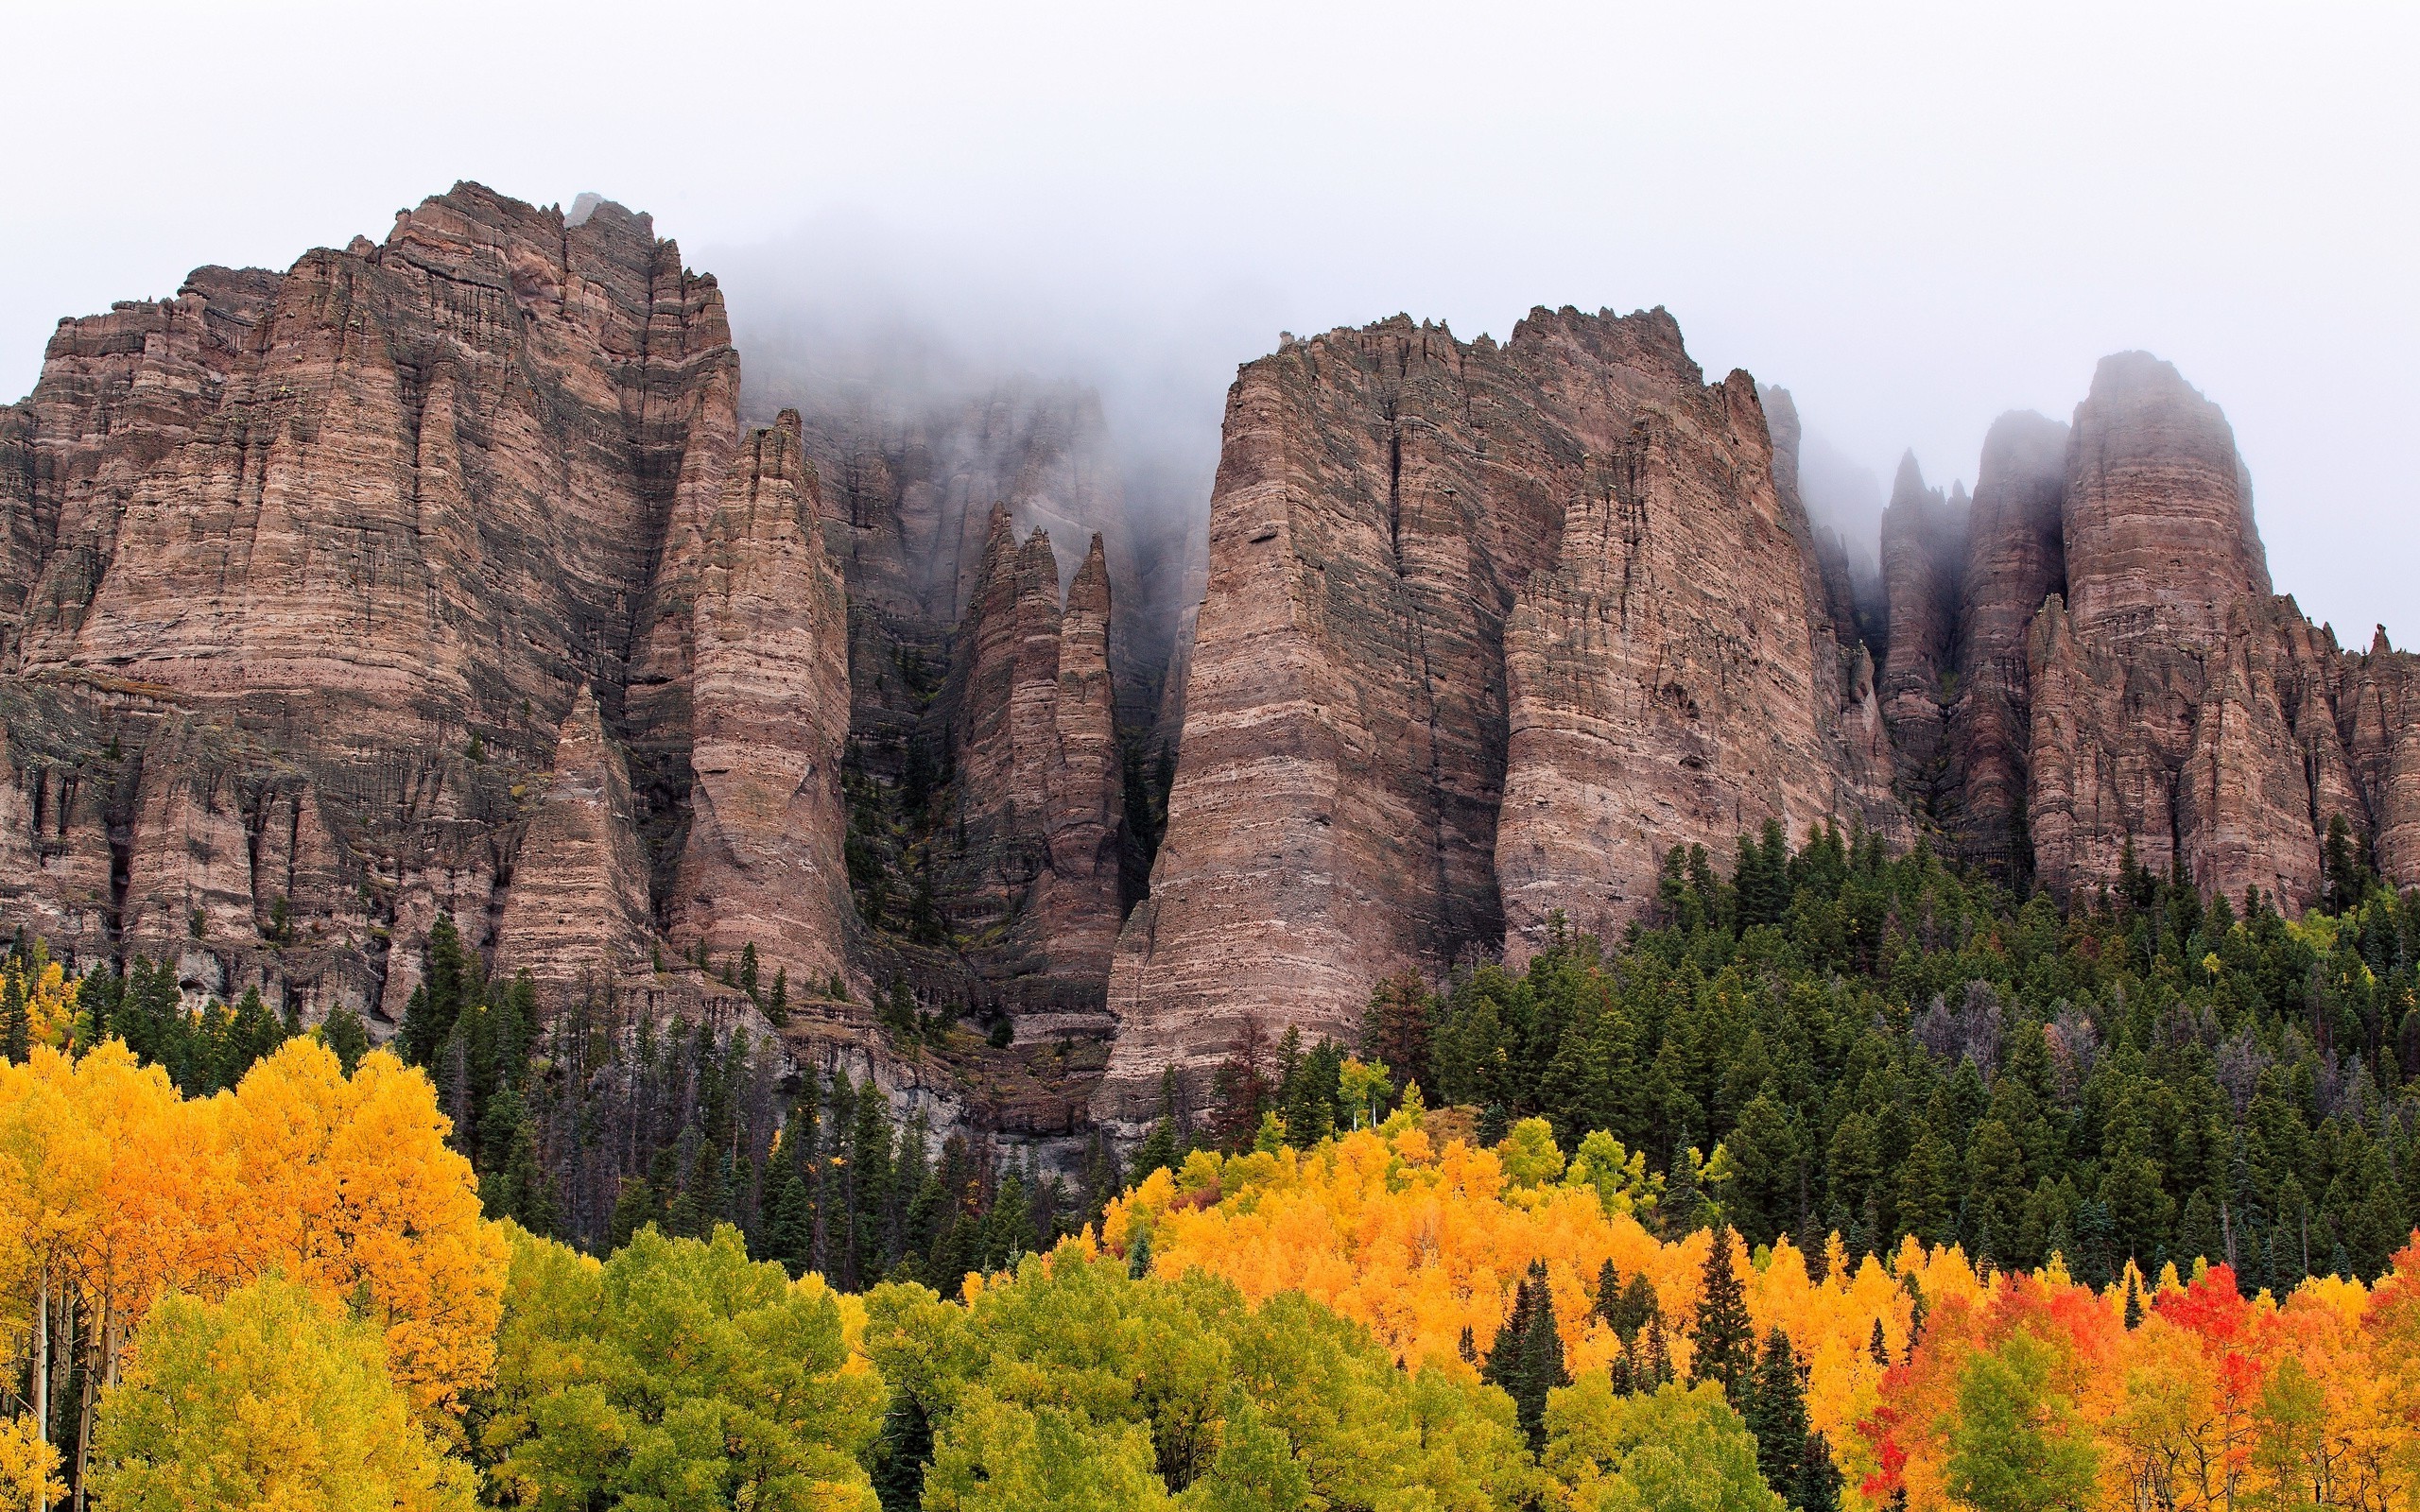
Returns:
point(777, 1002)
point(1526, 1360)
point(1683, 1208)
point(1655, 1355)
point(1775, 1412)
point(1876, 1349)
point(1918, 1309)
point(1722, 1343)
point(447, 986)
point(902, 1453)
point(1609, 1296)
point(1819, 1478)
point(16, 1030)
point(2134, 1301)
point(1158, 1152)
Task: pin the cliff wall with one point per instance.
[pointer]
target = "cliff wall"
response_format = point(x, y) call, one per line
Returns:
point(1371, 683)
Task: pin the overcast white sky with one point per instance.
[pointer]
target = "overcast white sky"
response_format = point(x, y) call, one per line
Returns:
point(1914, 216)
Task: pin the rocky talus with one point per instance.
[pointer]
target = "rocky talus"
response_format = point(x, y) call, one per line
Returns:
point(1350, 713)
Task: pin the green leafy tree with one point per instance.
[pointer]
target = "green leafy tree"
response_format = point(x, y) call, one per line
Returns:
point(268, 1398)
point(1677, 1448)
point(679, 1373)
point(2016, 1445)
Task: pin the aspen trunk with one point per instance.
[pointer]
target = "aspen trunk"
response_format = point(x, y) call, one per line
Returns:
point(42, 1358)
point(83, 1392)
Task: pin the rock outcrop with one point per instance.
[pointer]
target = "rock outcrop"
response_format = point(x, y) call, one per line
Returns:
point(1923, 553)
point(2126, 682)
point(768, 711)
point(2160, 541)
point(1349, 713)
point(577, 902)
point(1669, 685)
point(2016, 560)
point(1030, 861)
point(331, 600)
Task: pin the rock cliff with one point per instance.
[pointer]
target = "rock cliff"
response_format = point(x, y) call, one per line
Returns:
point(1031, 862)
point(1923, 550)
point(333, 599)
point(1371, 683)
point(2016, 560)
point(768, 711)
point(2125, 678)
point(1675, 679)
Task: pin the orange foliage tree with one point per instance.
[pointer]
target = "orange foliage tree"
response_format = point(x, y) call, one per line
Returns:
point(2209, 1401)
point(113, 1190)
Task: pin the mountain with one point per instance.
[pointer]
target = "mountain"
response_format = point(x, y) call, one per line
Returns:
point(1490, 630)
point(440, 576)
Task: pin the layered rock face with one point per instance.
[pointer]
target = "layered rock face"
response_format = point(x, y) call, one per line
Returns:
point(2125, 678)
point(578, 902)
point(1923, 550)
point(1673, 681)
point(1034, 858)
point(997, 683)
point(2159, 709)
point(2160, 542)
point(2016, 560)
point(912, 482)
point(330, 600)
point(1365, 639)
point(768, 711)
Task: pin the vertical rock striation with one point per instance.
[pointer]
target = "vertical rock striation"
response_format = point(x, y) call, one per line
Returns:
point(769, 709)
point(323, 594)
point(1030, 863)
point(1674, 676)
point(2016, 560)
point(2159, 719)
point(576, 909)
point(1924, 551)
point(1348, 716)
point(2126, 679)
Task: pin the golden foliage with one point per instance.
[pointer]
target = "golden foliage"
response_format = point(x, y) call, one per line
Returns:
point(114, 1189)
point(1420, 1242)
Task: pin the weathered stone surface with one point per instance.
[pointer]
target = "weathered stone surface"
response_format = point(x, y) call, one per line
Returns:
point(2159, 684)
point(1382, 496)
point(2378, 710)
point(2016, 560)
point(2196, 758)
point(1032, 860)
point(1666, 687)
point(577, 907)
point(2160, 541)
point(306, 570)
point(769, 719)
point(1923, 553)
point(2169, 702)
point(912, 482)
